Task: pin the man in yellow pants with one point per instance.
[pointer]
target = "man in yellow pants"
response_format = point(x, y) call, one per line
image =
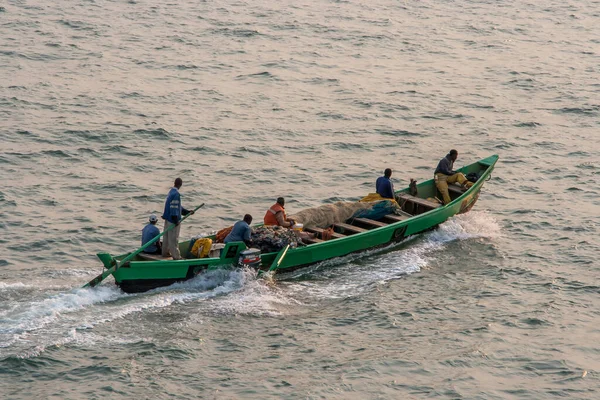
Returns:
point(444, 175)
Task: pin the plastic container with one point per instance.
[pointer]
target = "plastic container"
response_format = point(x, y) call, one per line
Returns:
point(298, 227)
point(215, 250)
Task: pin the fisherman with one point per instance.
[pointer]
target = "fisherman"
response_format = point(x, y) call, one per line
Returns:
point(444, 175)
point(149, 232)
point(276, 215)
point(384, 186)
point(172, 216)
point(241, 231)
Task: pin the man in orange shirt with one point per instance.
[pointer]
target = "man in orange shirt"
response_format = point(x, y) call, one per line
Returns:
point(276, 215)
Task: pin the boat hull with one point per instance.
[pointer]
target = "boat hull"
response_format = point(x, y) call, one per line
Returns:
point(140, 275)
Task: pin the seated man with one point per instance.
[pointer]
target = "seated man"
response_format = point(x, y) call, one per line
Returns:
point(241, 231)
point(149, 232)
point(384, 186)
point(444, 174)
point(276, 215)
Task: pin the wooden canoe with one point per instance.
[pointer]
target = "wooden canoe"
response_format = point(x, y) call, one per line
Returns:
point(145, 272)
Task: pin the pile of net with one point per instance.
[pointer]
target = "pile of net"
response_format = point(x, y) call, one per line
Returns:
point(378, 209)
point(328, 214)
point(273, 238)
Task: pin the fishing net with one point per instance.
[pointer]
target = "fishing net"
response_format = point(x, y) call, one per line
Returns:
point(222, 234)
point(328, 214)
point(273, 238)
point(372, 206)
point(378, 210)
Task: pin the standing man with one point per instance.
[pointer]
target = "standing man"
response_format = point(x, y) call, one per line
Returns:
point(444, 174)
point(149, 232)
point(172, 216)
point(384, 186)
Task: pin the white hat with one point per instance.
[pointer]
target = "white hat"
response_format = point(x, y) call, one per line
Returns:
point(153, 218)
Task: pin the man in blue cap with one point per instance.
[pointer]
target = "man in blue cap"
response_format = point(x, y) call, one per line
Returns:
point(149, 232)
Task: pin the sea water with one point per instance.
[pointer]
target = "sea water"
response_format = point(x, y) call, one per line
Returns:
point(104, 103)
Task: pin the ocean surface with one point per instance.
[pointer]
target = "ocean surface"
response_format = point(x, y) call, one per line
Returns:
point(104, 103)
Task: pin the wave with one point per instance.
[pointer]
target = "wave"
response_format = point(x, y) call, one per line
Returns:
point(27, 327)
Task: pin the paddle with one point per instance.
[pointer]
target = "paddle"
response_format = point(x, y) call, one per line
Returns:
point(279, 258)
point(118, 264)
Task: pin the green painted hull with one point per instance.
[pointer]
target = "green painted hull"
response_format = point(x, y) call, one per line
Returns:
point(140, 275)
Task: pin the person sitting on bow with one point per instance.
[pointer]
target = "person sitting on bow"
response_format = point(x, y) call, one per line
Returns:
point(444, 175)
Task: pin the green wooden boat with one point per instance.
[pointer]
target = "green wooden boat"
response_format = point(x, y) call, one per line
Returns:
point(138, 272)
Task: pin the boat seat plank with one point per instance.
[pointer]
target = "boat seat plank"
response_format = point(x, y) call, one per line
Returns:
point(397, 218)
point(403, 213)
point(312, 241)
point(456, 189)
point(153, 257)
point(371, 222)
point(320, 232)
point(417, 200)
point(350, 228)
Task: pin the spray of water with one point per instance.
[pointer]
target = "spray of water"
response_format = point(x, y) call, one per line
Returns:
point(28, 325)
point(353, 274)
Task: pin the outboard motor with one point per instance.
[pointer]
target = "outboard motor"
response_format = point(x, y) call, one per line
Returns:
point(249, 258)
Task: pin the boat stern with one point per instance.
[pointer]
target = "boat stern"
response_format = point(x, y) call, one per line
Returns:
point(107, 260)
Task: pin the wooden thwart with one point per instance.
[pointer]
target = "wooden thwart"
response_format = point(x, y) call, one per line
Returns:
point(403, 213)
point(312, 241)
point(349, 228)
point(371, 222)
point(417, 200)
point(456, 189)
point(154, 257)
point(320, 232)
point(397, 218)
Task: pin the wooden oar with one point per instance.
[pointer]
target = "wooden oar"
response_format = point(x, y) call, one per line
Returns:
point(279, 258)
point(119, 264)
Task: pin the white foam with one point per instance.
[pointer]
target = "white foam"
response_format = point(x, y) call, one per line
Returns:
point(476, 224)
point(355, 273)
point(258, 297)
point(13, 286)
point(37, 314)
point(59, 273)
point(29, 327)
point(61, 318)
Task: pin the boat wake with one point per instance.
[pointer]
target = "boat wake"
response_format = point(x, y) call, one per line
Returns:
point(34, 318)
point(473, 225)
point(31, 320)
point(356, 273)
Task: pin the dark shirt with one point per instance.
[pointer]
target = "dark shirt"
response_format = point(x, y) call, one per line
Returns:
point(240, 233)
point(173, 209)
point(384, 187)
point(445, 166)
point(149, 232)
